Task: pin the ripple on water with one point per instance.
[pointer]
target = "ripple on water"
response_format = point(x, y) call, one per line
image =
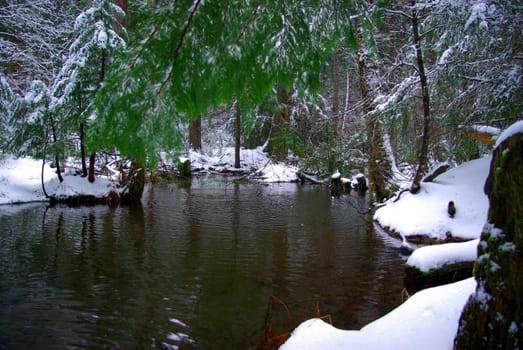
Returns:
point(192, 268)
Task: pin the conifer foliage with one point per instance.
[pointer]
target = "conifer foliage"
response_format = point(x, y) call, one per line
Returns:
point(187, 56)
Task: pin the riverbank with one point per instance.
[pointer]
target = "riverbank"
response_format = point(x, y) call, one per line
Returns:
point(21, 178)
point(428, 317)
point(424, 216)
point(21, 182)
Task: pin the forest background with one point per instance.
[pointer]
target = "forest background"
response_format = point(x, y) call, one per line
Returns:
point(390, 87)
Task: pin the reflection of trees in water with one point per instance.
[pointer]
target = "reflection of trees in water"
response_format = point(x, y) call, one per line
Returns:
point(211, 254)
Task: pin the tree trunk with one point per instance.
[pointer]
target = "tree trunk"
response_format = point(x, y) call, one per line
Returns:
point(238, 137)
point(135, 183)
point(123, 5)
point(92, 160)
point(335, 97)
point(56, 156)
point(379, 168)
point(195, 134)
point(278, 146)
point(493, 316)
point(82, 150)
point(425, 136)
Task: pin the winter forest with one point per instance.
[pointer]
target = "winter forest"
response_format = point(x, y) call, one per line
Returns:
point(395, 90)
point(389, 87)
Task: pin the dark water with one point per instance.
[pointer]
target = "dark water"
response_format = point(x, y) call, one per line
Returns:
point(193, 268)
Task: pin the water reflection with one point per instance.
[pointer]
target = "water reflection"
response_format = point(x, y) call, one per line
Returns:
point(192, 268)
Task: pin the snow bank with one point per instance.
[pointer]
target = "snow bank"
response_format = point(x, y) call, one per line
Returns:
point(279, 172)
point(256, 161)
point(77, 185)
point(250, 159)
point(20, 182)
point(425, 213)
point(427, 320)
point(435, 256)
point(515, 128)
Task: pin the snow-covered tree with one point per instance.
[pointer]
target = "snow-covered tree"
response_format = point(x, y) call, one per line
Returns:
point(97, 38)
point(8, 101)
point(33, 39)
point(473, 69)
point(480, 54)
point(32, 125)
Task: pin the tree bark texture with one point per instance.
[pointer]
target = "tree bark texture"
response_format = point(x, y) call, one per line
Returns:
point(379, 168)
point(123, 5)
point(237, 137)
point(425, 136)
point(92, 161)
point(56, 156)
point(135, 183)
point(335, 97)
point(195, 133)
point(493, 316)
point(278, 146)
point(82, 150)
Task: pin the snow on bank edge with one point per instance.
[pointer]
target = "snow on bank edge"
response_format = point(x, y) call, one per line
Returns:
point(427, 320)
point(20, 182)
point(435, 256)
point(425, 213)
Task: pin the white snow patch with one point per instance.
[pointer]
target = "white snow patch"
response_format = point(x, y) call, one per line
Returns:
point(515, 128)
point(425, 213)
point(256, 161)
point(435, 256)
point(478, 13)
point(279, 172)
point(427, 320)
point(20, 182)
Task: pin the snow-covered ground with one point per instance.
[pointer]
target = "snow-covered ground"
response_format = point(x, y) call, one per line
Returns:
point(435, 256)
point(20, 178)
point(21, 182)
point(256, 163)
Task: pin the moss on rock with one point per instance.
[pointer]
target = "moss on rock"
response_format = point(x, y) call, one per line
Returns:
point(493, 316)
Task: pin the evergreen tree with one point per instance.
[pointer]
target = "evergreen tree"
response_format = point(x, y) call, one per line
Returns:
point(8, 101)
point(473, 72)
point(190, 55)
point(33, 39)
point(98, 36)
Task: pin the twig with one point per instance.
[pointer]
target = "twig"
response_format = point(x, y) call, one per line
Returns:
point(244, 29)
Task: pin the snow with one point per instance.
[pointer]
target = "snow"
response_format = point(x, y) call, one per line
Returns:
point(478, 13)
point(427, 320)
point(425, 213)
point(486, 129)
point(435, 256)
point(20, 182)
point(254, 161)
point(515, 128)
point(279, 172)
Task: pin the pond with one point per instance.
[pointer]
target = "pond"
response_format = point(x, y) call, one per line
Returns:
point(192, 268)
